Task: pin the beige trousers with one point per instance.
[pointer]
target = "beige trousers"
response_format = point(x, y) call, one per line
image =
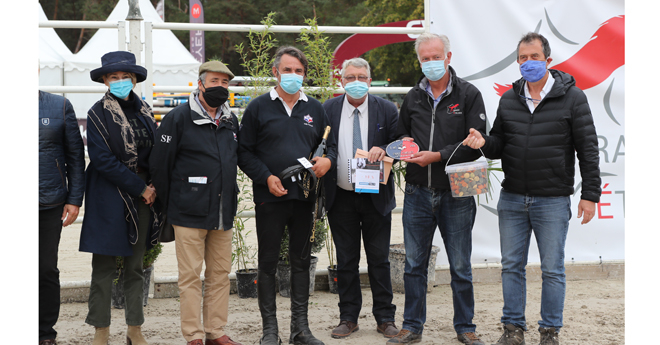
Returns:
point(194, 246)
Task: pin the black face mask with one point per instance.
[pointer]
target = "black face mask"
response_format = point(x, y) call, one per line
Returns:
point(215, 96)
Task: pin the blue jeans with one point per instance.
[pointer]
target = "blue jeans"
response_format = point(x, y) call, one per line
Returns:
point(519, 216)
point(425, 209)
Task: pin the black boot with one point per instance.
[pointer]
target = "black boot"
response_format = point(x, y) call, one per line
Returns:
point(300, 333)
point(266, 296)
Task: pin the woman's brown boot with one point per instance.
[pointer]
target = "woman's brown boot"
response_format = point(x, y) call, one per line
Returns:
point(134, 336)
point(101, 336)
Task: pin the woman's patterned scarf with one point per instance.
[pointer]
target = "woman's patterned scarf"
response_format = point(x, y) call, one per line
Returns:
point(118, 135)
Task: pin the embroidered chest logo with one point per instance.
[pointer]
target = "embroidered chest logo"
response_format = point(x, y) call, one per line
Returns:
point(45, 121)
point(454, 109)
point(309, 120)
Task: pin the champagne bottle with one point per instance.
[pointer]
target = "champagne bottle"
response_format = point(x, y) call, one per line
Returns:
point(321, 149)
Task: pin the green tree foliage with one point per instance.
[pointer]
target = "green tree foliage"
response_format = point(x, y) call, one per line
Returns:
point(75, 39)
point(398, 62)
point(222, 45)
point(256, 58)
point(219, 45)
point(316, 47)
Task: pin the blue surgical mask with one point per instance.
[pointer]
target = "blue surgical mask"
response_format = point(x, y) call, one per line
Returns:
point(356, 89)
point(434, 70)
point(533, 70)
point(291, 82)
point(121, 88)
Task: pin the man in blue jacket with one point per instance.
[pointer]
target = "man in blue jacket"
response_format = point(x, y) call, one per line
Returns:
point(361, 121)
point(193, 167)
point(278, 128)
point(437, 114)
point(541, 123)
point(61, 189)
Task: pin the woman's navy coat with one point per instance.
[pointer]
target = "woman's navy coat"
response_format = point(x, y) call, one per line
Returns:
point(105, 226)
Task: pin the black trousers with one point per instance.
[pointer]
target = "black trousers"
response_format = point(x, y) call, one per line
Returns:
point(50, 230)
point(271, 218)
point(353, 216)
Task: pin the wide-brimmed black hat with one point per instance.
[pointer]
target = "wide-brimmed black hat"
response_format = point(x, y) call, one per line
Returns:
point(118, 61)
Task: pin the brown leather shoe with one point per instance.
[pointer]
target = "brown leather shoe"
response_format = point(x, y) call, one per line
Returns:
point(224, 340)
point(344, 329)
point(388, 329)
point(195, 342)
point(48, 342)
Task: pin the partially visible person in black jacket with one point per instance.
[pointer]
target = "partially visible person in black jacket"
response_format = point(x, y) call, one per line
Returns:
point(61, 189)
point(541, 123)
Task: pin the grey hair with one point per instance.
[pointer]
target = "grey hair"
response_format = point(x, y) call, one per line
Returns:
point(429, 36)
point(357, 63)
point(202, 78)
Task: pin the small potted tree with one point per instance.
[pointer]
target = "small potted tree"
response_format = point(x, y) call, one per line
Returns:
point(332, 268)
point(243, 254)
point(319, 234)
point(150, 256)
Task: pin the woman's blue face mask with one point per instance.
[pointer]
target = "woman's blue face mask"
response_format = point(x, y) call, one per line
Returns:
point(121, 88)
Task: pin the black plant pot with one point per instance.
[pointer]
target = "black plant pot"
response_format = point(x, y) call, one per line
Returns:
point(283, 276)
point(332, 278)
point(246, 283)
point(118, 297)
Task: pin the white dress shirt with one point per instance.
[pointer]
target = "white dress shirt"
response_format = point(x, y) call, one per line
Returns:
point(274, 95)
point(345, 139)
point(546, 89)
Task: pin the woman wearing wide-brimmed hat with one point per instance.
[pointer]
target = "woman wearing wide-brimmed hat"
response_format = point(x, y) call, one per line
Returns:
point(120, 218)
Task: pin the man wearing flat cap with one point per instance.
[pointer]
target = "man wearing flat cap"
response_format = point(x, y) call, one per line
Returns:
point(193, 167)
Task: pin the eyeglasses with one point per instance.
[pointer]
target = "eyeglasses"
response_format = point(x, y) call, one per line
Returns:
point(351, 78)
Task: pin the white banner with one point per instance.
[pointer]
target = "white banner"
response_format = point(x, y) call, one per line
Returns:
point(587, 41)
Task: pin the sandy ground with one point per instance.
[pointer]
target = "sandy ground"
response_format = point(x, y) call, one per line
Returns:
point(594, 308)
point(594, 314)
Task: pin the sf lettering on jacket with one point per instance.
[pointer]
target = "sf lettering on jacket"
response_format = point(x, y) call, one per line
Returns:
point(193, 167)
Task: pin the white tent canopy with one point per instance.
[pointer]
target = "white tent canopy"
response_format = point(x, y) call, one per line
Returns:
point(173, 65)
point(52, 54)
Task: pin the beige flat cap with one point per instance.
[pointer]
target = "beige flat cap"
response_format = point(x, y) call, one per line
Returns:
point(215, 66)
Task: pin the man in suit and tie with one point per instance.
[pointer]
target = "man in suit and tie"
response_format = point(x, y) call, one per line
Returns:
point(364, 121)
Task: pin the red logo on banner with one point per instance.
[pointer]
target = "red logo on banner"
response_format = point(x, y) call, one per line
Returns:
point(196, 11)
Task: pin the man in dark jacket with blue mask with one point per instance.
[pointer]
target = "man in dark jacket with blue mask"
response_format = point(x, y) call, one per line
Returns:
point(437, 114)
point(541, 123)
point(61, 189)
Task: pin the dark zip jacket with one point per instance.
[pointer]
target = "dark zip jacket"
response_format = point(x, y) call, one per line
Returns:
point(441, 128)
point(193, 167)
point(61, 153)
point(538, 149)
